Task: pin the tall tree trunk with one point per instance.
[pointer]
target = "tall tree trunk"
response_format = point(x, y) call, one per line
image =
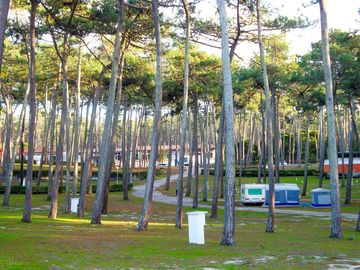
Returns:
point(322, 147)
point(218, 163)
point(64, 120)
point(88, 150)
point(229, 210)
point(306, 166)
point(208, 149)
point(341, 140)
point(106, 139)
point(191, 156)
point(270, 224)
point(9, 176)
point(4, 9)
point(146, 211)
point(32, 102)
point(52, 136)
point(283, 147)
point(77, 127)
point(241, 138)
point(351, 153)
point(110, 159)
point(168, 171)
point(6, 168)
point(124, 140)
point(336, 231)
point(67, 151)
point(45, 139)
point(276, 134)
point(299, 143)
point(204, 148)
point(127, 159)
point(196, 153)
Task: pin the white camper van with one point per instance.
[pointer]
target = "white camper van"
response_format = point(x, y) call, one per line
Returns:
point(252, 194)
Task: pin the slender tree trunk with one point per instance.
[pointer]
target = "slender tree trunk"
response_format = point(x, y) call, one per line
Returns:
point(124, 140)
point(62, 132)
point(299, 146)
point(336, 231)
point(322, 147)
point(106, 139)
point(306, 165)
point(270, 224)
point(204, 148)
point(351, 153)
point(77, 127)
point(146, 211)
point(52, 136)
point(9, 175)
point(8, 150)
point(110, 160)
point(67, 152)
point(229, 210)
point(88, 150)
point(168, 171)
point(276, 135)
point(64, 119)
point(32, 102)
point(341, 140)
point(218, 159)
point(127, 160)
point(196, 153)
point(191, 156)
point(4, 9)
point(45, 139)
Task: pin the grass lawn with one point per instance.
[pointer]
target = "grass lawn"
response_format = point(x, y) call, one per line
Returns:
point(72, 243)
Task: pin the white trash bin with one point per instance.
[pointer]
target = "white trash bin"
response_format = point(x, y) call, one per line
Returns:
point(196, 222)
point(74, 204)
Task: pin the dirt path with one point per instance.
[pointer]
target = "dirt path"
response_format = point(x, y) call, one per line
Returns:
point(139, 191)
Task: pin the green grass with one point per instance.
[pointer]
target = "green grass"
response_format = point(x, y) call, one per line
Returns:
point(72, 243)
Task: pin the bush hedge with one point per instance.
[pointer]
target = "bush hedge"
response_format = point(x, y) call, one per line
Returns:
point(44, 189)
point(45, 172)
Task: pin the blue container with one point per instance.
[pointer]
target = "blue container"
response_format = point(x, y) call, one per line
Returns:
point(320, 197)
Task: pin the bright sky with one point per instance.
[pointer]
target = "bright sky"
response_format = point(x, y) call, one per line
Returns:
point(341, 14)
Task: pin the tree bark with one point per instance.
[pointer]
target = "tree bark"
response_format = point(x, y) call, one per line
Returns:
point(146, 211)
point(88, 150)
point(351, 153)
point(9, 175)
point(336, 231)
point(4, 9)
point(229, 210)
point(191, 156)
point(270, 224)
point(322, 147)
point(276, 135)
point(45, 139)
point(179, 204)
point(105, 149)
point(32, 102)
point(52, 136)
point(77, 127)
point(196, 154)
point(306, 165)
point(168, 171)
point(8, 149)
